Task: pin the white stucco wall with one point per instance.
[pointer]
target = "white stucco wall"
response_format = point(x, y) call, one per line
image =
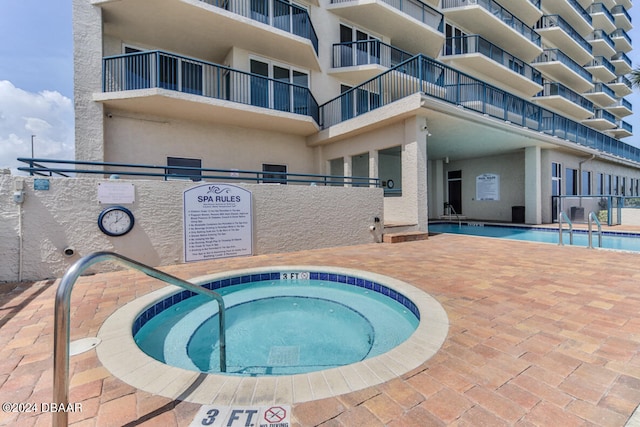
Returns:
point(286, 218)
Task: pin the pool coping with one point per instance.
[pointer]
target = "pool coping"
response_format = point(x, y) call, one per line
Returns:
point(120, 355)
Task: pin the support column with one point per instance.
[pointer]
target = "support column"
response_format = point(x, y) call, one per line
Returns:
point(373, 164)
point(436, 189)
point(533, 185)
point(348, 169)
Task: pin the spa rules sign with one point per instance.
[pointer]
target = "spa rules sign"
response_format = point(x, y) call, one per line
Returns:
point(218, 222)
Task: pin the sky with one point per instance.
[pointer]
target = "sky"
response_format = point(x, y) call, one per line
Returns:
point(36, 80)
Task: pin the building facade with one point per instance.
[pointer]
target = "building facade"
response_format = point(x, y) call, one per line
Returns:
point(476, 106)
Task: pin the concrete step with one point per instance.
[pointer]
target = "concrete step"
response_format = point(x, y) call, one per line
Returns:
point(408, 236)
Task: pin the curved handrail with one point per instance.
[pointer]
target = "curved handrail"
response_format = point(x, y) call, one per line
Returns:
point(62, 314)
point(560, 228)
point(593, 218)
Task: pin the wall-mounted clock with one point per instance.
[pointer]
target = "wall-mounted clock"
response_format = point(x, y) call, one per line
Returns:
point(115, 221)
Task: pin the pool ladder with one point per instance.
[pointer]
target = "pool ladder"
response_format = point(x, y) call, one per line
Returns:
point(62, 314)
point(592, 218)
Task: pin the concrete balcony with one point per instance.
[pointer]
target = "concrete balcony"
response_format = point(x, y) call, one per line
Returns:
point(601, 69)
point(621, 108)
point(621, 17)
point(479, 57)
point(623, 130)
point(601, 94)
point(601, 44)
point(496, 24)
point(210, 30)
point(621, 40)
point(561, 68)
point(356, 62)
point(622, 63)
point(626, 3)
point(167, 85)
point(622, 86)
point(558, 32)
point(601, 120)
point(411, 24)
point(572, 12)
point(563, 100)
point(601, 18)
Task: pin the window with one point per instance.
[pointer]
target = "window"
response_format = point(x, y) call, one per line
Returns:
point(390, 170)
point(179, 173)
point(600, 184)
point(360, 168)
point(585, 183)
point(357, 47)
point(571, 182)
point(280, 92)
point(278, 175)
point(616, 185)
point(607, 185)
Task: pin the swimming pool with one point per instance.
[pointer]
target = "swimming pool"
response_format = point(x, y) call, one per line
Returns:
point(610, 240)
point(280, 327)
point(121, 356)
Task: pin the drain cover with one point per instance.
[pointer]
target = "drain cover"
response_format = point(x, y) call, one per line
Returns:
point(284, 356)
point(82, 345)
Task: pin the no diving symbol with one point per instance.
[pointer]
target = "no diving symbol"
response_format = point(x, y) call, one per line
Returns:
point(275, 414)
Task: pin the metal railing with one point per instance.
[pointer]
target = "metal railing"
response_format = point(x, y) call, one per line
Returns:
point(62, 316)
point(558, 89)
point(601, 87)
point(601, 8)
point(556, 21)
point(621, 56)
point(421, 74)
point(276, 13)
point(190, 173)
point(594, 218)
point(620, 33)
point(366, 52)
point(501, 13)
point(601, 61)
point(601, 35)
point(604, 115)
point(621, 10)
point(564, 216)
point(415, 9)
point(581, 11)
point(476, 44)
point(157, 69)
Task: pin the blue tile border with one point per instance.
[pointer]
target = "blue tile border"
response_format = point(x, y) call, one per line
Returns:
point(169, 301)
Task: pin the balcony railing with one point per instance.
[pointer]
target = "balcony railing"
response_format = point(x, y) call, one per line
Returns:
point(415, 9)
point(601, 87)
point(556, 21)
point(501, 13)
point(578, 8)
point(367, 52)
point(621, 56)
point(600, 8)
point(604, 114)
point(476, 44)
point(276, 13)
point(601, 61)
point(553, 55)
point(601, 35)
point(421, 74)
point(155, 69)
point(620, 33)
point(624, 125)
point(624, 80)
point(558, 89)
point(622, 103)
point(536, 3)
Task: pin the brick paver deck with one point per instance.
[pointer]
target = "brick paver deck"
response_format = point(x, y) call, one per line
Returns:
point(540, 335)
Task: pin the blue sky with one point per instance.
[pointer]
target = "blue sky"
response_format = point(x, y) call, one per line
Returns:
point(36, 80)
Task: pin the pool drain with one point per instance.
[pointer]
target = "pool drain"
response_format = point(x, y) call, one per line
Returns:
point(83, 345)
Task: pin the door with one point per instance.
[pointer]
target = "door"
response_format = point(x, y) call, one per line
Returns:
point(454, 181)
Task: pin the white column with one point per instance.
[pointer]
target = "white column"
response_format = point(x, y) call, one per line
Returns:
point(532, 185)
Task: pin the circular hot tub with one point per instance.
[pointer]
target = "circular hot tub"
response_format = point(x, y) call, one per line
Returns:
point(353, 328)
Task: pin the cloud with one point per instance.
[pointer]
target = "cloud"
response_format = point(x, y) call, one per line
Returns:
point(48, 115)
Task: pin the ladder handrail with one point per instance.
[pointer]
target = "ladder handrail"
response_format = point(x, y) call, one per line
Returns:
point(62, 315)
point(451, 208)
point(560, 228)
point(597, 221)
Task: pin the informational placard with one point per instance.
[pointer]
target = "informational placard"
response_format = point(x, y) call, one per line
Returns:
point(218, 222)
point(488, 186)
point(116, 193)
point(243, 416)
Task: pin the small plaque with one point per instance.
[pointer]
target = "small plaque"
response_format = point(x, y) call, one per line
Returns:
point(117, 193)
point(41, 184)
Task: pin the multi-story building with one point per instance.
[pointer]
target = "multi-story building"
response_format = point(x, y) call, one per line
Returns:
point(476, 105)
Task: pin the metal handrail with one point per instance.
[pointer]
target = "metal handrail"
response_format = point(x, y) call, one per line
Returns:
point(62, 315)
point(593, 217)
point(561, 229)
point(451, 208)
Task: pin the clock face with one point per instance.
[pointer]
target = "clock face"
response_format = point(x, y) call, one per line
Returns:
point(115, 221)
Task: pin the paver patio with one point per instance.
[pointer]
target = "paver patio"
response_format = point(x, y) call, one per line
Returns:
point(540, 335)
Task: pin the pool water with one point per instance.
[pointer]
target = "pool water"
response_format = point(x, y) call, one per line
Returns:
point(610, 240)
point(278, 328)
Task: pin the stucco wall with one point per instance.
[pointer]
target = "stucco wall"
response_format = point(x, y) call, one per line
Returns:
point(285, 218)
